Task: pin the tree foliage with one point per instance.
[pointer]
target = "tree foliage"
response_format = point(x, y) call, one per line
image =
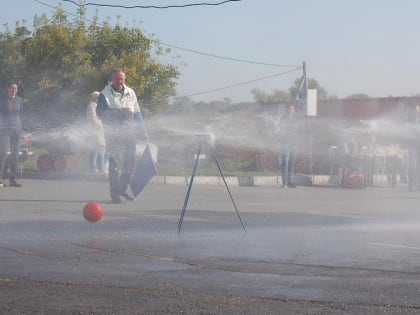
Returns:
point(278, 96)
point(312, 84)
point(358, 96)
point(60, 62)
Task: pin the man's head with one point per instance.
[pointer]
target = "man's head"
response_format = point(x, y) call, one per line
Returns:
point(118, 79)
point(11, 89)
point(290, 109)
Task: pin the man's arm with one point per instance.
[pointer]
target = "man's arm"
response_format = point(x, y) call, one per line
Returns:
point(102, 105)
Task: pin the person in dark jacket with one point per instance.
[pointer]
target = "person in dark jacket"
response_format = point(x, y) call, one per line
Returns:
point(123, 123)
point(11, 130)
point(413, 170)
point(288, 146)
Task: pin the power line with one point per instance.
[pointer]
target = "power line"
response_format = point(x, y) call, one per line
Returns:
point(151, 6)
point(199, 52)
point(242, 83)
point(55, 7)
point(295, 68)
point(46, 4)
point(227, 58)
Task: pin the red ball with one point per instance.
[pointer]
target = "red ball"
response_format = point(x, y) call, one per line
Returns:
point(93, 212)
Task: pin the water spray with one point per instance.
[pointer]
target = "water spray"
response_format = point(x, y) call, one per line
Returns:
point(206, 138)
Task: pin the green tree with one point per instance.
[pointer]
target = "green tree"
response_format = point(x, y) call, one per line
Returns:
point(312, 84)
point(61, 62)
point(358, 96)
point(277, 96)
point(11, 60)
point(182, 104)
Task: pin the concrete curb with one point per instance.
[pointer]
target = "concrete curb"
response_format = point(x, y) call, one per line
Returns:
point(246, 181)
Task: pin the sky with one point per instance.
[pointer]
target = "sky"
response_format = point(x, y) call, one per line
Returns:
point(349, 47)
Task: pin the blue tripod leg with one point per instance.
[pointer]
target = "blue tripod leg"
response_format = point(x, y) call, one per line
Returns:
point(227, 188)
point(181, 219)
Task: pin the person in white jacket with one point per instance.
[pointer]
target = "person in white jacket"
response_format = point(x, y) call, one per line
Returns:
point(96, 139)
point(123, 122)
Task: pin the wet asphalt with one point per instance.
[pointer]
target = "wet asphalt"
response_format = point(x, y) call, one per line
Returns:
point(359, 246)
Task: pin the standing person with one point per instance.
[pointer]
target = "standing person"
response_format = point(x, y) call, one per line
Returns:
point(123, 122)
point(96, 136)
point(413, 170)
point(348, 153)
point(288, 151)
point(10, 132)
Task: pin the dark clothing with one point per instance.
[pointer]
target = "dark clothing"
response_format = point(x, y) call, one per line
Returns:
point(10, 115)
point(288, 147)
point(413, 170)
point(122, 159)
point(10, 133)
point(287, 167)
point(393, 165)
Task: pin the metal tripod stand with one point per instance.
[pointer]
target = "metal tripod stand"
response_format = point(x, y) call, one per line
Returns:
point(187, 197)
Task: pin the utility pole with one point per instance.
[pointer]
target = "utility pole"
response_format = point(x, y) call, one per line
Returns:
point(305, 78)
point(305, 87)
point(302, 101)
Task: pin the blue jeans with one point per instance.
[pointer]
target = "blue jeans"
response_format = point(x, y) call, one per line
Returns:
point(97, 159)
point(122, 159)
point(287, 165)
point(9, 140)
point(413, 168)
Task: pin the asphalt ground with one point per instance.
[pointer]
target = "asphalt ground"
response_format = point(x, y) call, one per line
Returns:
point(309, 250)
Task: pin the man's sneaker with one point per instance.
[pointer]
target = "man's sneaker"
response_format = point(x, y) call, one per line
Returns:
point(14, 183)
point(127, 196)
point(116, 200)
